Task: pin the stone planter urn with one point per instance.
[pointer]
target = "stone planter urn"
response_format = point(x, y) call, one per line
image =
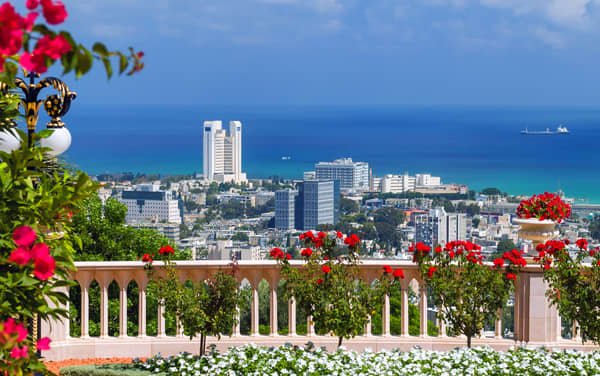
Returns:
point(537, 231)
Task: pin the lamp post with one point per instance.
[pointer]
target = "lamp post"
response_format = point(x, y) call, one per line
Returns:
point(56, 106)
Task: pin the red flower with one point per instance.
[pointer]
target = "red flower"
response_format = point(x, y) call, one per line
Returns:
point(288, 256)
point(24, 236)
point(146, 258)
point(306, 252)
point(53, 48)
point(20, 256)
point(598, 262)
point(43, 344)
point(451, 254)
point(499, 262)
point(33, 63)
point(567, 241)
point(387, 269)
point(301, 237)
point(431, 270)
point(398, 273)
point(511, 276)
point(44, 266)
point(54, 12)
point(32, 4)
point(321, 235)
point(326, 269)
point(582, 243)
point(339, 235)
point(166, 250)
point(319, 281)
point(438, 249)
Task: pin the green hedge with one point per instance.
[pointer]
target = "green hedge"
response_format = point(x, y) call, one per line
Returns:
point(103, 370)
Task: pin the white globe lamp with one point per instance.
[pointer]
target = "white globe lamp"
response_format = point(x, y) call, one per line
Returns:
point(9, 140)
point(58, 142)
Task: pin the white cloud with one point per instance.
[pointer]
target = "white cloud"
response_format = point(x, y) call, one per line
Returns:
point(567, 13)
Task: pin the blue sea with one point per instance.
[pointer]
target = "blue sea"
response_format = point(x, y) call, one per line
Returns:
point(478, 146)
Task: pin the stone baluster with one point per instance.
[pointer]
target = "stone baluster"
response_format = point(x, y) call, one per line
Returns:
point(292, 317)
point(385, 316)
point(367, 330)
point(404, 312)
point(255, 309)
point(142, 310)
point(442, 326)
point(104, 280)
point(310, 327)
point(576, 332)
point(122, 280)
point(498, 325)
point(236, 327)
point(84, 283)
point(160, 323)
point(423, 309)
point(274, 281)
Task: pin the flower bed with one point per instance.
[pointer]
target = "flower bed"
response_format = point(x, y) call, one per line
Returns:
point(292, 360)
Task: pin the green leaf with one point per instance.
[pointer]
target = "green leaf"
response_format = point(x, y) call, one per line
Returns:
point(42, 29)
point(84, 63)
point(100, 49)
point(122, 63)
point(107, 67)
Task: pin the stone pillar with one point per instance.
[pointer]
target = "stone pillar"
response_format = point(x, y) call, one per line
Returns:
point(385, 316)
point(104, 282)
point(536, 317)
point(292, 317)
point(367, 331)
point(576, 332)
point(310, 327)
point(160, 323)
point(236, 326)
point(442, 326)
point(423, 309)
point(85, 309)
point(404, 312)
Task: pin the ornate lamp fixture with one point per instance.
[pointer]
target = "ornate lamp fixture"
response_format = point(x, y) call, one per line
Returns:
point(56, 106)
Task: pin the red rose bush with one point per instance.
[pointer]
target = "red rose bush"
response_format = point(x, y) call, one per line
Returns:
point(468, 291)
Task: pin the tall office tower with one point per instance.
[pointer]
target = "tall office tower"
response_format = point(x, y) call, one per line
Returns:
point(285, 203)
point(222, 152)
point(438, 228)
point(318, 203)
point(352, 175)
point(397, 183)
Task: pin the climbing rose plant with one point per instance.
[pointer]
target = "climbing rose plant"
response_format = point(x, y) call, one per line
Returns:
point(544, 206)
point(573, 283)
point(328, 285)
point(467, 291)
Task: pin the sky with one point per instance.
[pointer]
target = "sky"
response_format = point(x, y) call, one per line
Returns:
point(349, 52)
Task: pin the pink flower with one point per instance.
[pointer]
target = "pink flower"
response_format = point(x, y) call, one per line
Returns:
point(54, 12)
point(53, 48)
point(33, 63)
point(43, 344)
point(44, 266)
point(32, 4)
point(19, 353)
point(20, 256)
point(24, 236)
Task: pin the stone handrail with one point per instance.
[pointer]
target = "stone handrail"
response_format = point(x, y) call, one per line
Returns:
point(536, 322)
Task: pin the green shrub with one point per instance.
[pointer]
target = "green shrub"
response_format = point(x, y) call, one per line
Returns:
point(104, 370)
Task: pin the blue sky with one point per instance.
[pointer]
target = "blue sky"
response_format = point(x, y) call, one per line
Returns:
point(430, 52)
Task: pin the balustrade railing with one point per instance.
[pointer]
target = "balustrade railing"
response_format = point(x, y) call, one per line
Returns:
point(535, 321)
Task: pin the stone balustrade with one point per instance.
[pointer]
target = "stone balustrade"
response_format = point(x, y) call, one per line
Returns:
point(536, 323)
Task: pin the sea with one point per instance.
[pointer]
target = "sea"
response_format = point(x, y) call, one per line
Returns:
point(477, 146)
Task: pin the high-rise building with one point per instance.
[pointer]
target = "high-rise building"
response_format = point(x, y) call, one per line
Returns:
point(285, 203)
point(222, 152)
point(438, 227)
point(426, 180)
point(151, 205)
point(316, 202)
point(352, 175)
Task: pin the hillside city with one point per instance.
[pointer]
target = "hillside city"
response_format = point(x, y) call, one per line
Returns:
point(221, 214)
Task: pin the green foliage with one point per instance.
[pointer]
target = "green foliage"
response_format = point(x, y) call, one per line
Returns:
point(468, 293)
point(106, 370)
point(392, 216)
point(206, 307)
point(573, 286)
point(240, 236)
point(348, 206)
point(504, 245)
point(475, 222)
point(39, 195)
point(105, 237)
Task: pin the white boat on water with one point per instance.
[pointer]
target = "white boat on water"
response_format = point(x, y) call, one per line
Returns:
point(559, 130)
